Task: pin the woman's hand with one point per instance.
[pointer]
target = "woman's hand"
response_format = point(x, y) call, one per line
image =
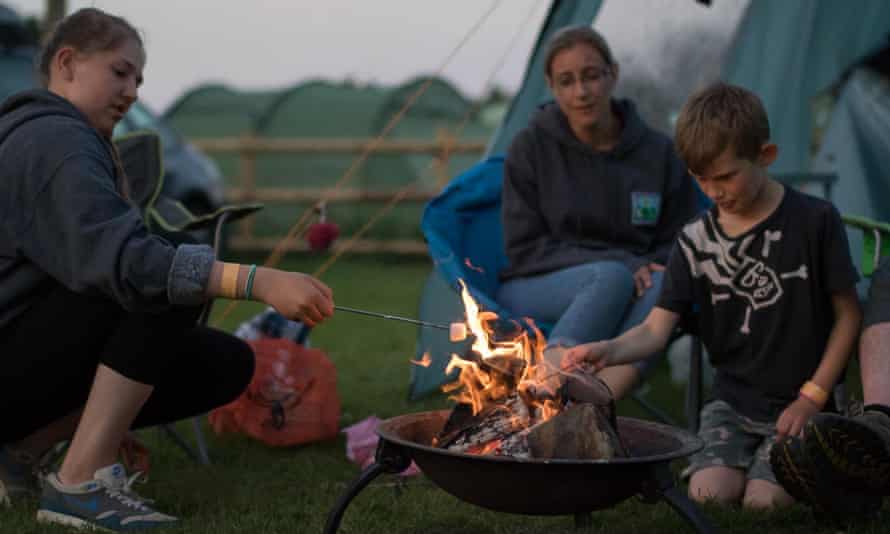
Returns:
point(794, 418)
point(643, 277)
point(296, 296)
point(595, 354)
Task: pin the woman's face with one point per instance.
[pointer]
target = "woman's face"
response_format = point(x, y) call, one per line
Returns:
point(582, 83)
point(102, 85)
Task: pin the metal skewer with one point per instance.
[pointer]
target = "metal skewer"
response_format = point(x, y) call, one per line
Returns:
point(393, 317)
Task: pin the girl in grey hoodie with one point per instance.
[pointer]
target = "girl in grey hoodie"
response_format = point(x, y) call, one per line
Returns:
point(120, 304)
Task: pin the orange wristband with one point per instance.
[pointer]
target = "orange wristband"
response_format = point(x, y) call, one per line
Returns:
point(814, 392)
point(229, 282)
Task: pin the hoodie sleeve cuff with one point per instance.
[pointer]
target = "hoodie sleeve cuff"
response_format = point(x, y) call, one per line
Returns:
point(189, 275)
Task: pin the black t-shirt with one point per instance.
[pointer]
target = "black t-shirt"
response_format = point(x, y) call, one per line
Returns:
point(762, 300)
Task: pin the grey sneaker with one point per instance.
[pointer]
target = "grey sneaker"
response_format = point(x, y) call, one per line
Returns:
point(18, 477)
point(107, 502)
point(854, 450)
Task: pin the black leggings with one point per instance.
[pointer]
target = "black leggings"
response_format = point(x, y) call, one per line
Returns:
point(50, 353)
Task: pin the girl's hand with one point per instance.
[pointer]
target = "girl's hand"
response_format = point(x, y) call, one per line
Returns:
point(594, 354)
point(296, 296)
point(794, 418)
point(643, 277)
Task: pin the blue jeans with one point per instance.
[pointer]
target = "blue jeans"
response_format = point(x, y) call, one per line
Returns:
point(588, 302)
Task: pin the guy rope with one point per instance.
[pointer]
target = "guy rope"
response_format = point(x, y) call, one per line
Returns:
point(301, 225)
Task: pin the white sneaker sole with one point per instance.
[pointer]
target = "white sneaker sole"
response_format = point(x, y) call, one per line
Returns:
point(47, 516)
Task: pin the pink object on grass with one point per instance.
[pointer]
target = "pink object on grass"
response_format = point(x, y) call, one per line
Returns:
point(361, 444)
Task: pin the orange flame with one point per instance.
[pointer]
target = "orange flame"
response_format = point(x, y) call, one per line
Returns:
point(424, 361)
point(500, 365)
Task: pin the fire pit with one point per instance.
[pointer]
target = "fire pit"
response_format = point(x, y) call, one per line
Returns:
point(544, 440)
point(514, 485)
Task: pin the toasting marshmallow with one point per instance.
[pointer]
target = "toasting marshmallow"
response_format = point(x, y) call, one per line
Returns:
point(457, 332)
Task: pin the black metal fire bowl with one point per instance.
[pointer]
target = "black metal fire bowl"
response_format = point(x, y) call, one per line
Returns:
point(536, 486)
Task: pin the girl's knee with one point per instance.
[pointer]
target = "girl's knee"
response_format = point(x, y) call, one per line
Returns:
point(240, 368)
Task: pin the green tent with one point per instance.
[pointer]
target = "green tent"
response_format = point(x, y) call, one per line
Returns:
point(329, 110)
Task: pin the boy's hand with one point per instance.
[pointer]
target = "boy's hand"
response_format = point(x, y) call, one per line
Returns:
point(643, 277)
point(595, 354)
point(793, 419)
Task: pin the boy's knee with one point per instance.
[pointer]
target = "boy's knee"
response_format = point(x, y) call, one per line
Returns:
point(722, 485)
point(764, 495)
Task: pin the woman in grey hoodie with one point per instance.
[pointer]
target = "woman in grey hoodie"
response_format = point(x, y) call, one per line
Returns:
point(592, 201)
point(119, 304)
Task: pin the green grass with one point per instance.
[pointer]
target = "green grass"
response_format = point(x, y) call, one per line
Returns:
point(254, 488)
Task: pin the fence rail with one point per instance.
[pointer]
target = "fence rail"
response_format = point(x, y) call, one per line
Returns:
point(249, 147)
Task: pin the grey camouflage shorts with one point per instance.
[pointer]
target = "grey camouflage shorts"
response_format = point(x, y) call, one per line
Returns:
point(733, 440)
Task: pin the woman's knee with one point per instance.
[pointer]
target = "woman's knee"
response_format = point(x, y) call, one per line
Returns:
point(611, 276)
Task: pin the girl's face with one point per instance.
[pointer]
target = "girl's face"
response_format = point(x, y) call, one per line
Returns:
point(582, 83)
point(102, 85)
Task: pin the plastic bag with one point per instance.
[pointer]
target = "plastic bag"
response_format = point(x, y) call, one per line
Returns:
point(292, 398)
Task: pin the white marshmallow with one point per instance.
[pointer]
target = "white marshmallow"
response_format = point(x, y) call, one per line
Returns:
point(457, 332)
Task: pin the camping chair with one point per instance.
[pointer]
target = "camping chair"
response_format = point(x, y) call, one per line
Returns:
point(875, 241)
point(462, 226)
point(141, 157)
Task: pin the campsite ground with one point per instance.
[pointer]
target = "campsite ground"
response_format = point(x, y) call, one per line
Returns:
point(253, 488)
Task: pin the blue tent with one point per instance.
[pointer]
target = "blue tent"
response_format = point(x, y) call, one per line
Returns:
point(814, 65)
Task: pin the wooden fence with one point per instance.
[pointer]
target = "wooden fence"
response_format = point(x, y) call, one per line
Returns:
point(247, 149)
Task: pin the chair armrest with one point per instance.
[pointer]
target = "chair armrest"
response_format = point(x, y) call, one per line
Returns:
point(173, 216)
point(875, 240)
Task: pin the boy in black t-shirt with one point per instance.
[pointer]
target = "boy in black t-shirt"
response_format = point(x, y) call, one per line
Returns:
point(766, 274)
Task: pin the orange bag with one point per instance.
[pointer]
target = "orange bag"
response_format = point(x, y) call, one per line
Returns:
point(291, 399)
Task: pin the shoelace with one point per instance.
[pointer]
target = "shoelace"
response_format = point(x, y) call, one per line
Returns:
point(128, 496)
point(855, 408)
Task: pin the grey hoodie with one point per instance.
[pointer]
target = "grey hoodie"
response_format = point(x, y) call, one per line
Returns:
point(62, 219)
point(565, 204)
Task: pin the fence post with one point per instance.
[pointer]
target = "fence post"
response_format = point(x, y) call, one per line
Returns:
point(247, 159)
point(440, 162)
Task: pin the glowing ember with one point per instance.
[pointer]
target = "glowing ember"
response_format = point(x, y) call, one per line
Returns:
point(487, 448)
point(471, 266)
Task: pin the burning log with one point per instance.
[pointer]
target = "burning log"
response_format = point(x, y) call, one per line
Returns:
point(580, 432)
point(499, 430)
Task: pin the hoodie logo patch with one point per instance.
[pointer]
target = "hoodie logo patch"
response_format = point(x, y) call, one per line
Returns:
point(645, 208)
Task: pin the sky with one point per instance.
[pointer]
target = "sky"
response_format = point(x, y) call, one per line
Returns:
point(265, 44)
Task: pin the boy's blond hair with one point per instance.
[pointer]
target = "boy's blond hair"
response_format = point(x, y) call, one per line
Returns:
point(716, 117)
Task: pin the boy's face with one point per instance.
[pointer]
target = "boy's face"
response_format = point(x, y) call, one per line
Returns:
point(735, 184)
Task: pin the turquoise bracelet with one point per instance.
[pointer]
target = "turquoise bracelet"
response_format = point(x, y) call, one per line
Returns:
point(249, 287)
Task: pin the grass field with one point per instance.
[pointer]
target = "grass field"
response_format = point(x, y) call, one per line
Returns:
point(251, 488)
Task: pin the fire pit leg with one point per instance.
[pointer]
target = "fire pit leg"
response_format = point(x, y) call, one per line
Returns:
point(388, 459)
point(583, 520)
point(691, 513)
point(663, 487)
